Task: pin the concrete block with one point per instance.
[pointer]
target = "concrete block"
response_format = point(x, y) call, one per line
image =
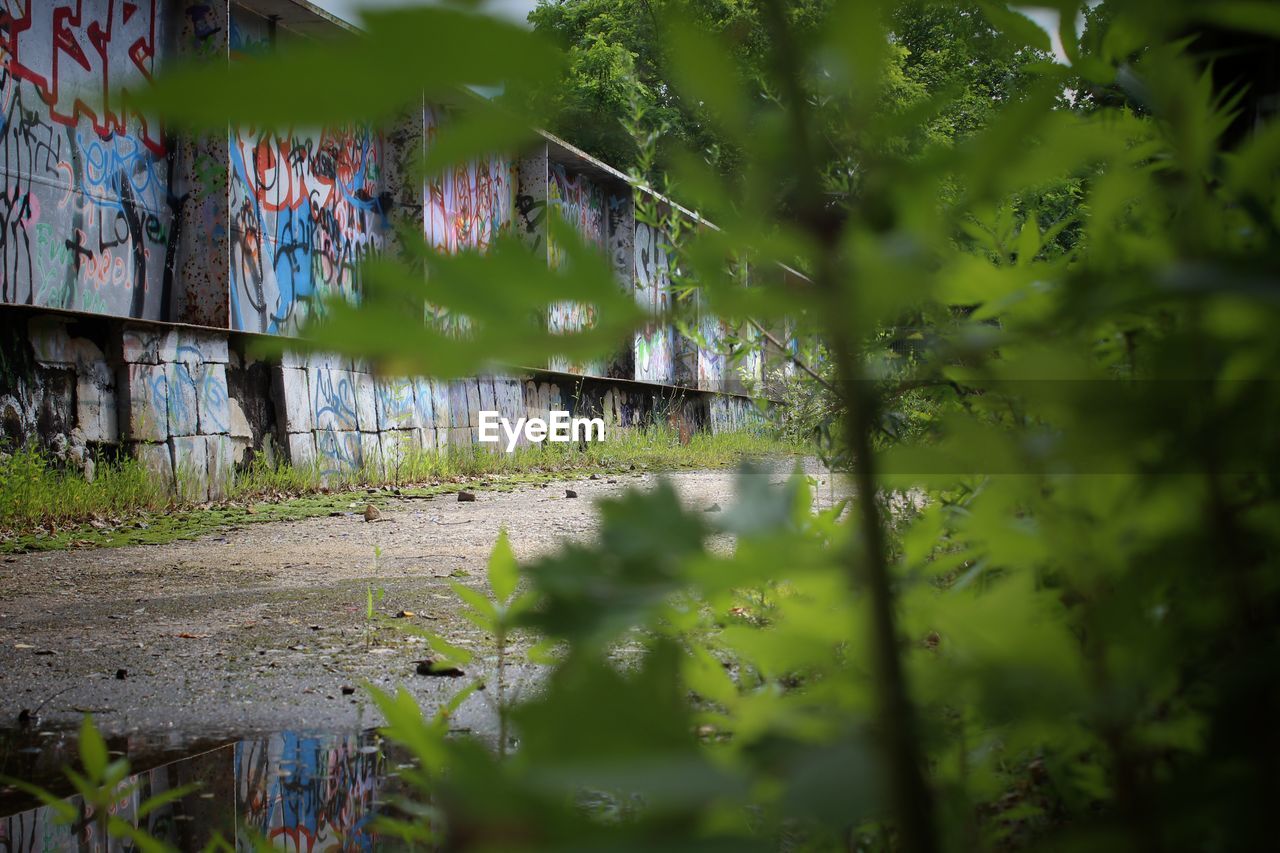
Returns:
point(366, 401)
point(439, 404)
point(397, 404)
point(157, 459)
point(423, 409)
point(333, 401)
point(488, 399)
point(183, 400)
point(302, 449)
point(297, 360)
point(371, 453)
point(460, 438)
point(221, 465)
point(292, 391)
point(328, 361)
point(339, 451)
point(472, 388)
point(213, 402)
point(241, 450)
point(144, 402)
point(96, 411)
point(398, 446)
point(457, 404)
point(191, 466)
point(197, 347)
point(148, 345)
point(237, 424)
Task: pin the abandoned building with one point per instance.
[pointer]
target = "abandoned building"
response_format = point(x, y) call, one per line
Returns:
point(138, 267)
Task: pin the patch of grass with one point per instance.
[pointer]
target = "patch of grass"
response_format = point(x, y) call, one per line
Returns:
point(43, 507)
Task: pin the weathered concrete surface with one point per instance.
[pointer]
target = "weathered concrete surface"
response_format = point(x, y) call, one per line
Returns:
point(260, 628)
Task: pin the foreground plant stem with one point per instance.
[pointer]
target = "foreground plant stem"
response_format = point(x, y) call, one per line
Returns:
point(868, 566)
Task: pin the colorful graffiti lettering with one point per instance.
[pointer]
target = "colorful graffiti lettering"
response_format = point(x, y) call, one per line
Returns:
point(82, 57)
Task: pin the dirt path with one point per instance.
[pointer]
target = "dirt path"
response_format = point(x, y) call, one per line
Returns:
point(261, 628)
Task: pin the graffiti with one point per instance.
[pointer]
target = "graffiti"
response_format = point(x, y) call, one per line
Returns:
point(82, 56)
point(470, 204)
point(305, 211)
point(580, 202)
point(305, 792)
point(93, 205)
point(655, 343)
point(711, 354)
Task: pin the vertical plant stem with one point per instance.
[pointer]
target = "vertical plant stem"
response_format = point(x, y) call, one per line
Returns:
point(868, 566)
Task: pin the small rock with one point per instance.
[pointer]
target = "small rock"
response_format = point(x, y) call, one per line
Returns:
point(594, 477)
point(314, 627)
point(712, 508)
point(404, 614)
point(371, 513)
point(611, 481)
point(27, 717)
point(631, 467)
point(347, 690)
point(122, 674)
point(45, 652)
point(431, 667)
point(570, 493)
point(466, 497)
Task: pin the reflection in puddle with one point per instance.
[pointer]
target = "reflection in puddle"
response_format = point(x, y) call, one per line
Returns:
point(304, 792)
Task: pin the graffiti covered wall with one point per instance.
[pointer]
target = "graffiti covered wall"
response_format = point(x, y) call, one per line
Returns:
point(306, 208)
point(655, 343)
point(580, 202)
point(86, 221)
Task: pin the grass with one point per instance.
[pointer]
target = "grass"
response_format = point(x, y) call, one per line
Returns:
point(44, 507)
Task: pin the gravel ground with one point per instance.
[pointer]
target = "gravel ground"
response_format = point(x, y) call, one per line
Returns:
point(261, 628)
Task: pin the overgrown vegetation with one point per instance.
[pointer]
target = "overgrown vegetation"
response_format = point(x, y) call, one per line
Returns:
point(45, 507)
point(1072, 642)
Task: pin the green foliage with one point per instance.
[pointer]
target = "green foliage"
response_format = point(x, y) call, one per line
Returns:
point(1054, 622)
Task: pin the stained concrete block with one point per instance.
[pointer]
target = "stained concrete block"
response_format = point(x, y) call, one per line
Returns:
point(460, 438)
point(147, 345)
point(302, 449)
point(440, 404)
point(457, 404)
point(423, 409)
point(366, 402)
point(371, 453)
point(191, 466)
point(339, 451)
point(214, 404)
point(292, 391)
point(157, 459)
point(144, 402)
point(397, 403)
point(488, 399)
point(237, 424)
point(472, 388)
point(96, 408)
point(333, 400)
point(241, 449)
point(328, 361)
point(398, 445)
point(183, 400)
point(195, 346)
point(221, 465)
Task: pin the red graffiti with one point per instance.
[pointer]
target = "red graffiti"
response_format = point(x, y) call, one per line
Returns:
point(70, 49)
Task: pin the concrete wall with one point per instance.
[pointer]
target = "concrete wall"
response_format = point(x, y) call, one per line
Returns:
point(165, 251)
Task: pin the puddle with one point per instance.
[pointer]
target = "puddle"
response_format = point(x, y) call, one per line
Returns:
point(296, 790)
